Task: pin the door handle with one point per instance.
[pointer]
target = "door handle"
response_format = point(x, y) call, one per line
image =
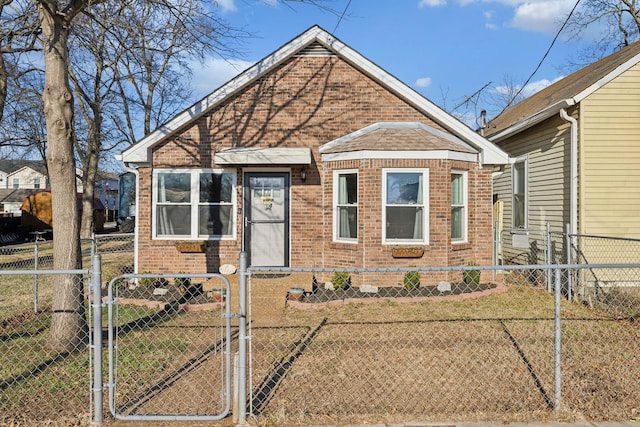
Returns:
point(246, 221)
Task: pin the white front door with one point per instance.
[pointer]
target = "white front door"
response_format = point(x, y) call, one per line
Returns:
point(266, 218)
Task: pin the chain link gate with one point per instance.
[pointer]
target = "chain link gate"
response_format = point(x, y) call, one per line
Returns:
point(169, 359)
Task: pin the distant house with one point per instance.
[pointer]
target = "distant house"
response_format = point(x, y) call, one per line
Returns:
point(576, 149)
point(30, 176)
point(315, 156)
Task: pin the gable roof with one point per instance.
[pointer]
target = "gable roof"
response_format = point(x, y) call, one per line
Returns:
point(314, 39)
point(562, 94)
point(11, 165)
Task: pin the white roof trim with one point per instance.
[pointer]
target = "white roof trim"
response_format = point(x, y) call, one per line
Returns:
point(396, 155)
point(532, 120)
point(140, 152)
point(606, 79)
point(263, 156)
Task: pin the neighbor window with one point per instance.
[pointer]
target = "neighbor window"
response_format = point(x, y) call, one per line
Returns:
point(36, 182)
point(16, 182)
point(405, 205)
point(520, 194)
point(459, 206)
point(345, 200)
point(197, 204)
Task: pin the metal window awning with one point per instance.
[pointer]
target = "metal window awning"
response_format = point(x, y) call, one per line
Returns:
point(263, 156)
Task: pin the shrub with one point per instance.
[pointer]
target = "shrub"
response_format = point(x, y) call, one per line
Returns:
point(340, 280)
point(411, 280)
point(182, 283)
point(471, 277)
point(151, 282)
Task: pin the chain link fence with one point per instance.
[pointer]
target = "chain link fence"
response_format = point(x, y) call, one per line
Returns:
point(39, 381)
point(169, 347)
point(329, 345)
point(481, 343)
point(44, 357)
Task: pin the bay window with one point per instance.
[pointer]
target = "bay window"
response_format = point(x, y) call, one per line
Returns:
point(405, 206)
point(194, 204)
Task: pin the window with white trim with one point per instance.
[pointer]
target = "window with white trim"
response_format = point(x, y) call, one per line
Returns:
point(405, 213)
point(36, 182)
point(345, 202)
point(519, 188)
point(16, 182)
point(459, 206)
point(194, 204)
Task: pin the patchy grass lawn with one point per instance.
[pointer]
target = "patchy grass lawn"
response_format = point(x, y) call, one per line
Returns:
point(485, 359)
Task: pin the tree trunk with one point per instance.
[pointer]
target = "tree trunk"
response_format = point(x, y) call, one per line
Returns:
point(89, 184)
point(69, 329)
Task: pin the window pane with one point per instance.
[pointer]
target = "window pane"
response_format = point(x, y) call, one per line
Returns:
point(348, 222)
point(518, 210)
point(216, 187)
point(404, 188)
point(405, 223)
point(215, 220)
point(518, 178)
point(456, 223)
point(174, 188)
point(348, 189)
point(173, 220)
point(519, 196)
point(457, 189)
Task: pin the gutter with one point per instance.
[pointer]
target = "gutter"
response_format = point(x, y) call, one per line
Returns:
point(532, 120)
point(573, 182)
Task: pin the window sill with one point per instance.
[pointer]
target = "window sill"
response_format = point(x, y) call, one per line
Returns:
point(460, 246)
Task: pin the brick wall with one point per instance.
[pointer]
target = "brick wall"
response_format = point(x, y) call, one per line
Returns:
point(307, 102)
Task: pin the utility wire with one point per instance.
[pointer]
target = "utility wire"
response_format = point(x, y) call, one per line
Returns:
point(341, 16)
point(543, 58)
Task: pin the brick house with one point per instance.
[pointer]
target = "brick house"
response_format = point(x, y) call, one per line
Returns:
point(313, 157)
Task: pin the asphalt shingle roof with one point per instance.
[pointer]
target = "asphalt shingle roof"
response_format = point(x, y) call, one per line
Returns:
point(566, 88)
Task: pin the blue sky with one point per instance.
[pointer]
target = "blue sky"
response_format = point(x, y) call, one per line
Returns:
point(444, 49)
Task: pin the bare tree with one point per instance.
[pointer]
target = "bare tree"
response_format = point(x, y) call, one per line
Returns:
point(616, 22)
point(147, 43)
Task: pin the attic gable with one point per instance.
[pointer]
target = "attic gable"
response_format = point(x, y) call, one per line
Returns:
point(313, 42)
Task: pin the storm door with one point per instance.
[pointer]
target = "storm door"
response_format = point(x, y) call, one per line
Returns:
point(266, 218)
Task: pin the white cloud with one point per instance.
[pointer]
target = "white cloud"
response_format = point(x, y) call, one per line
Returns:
point(226, 5)
point(529, 89)
point(214, 73)
point(531, 15)
point(488, 16)
point(543, 16)
point(423, 82)
point(431, 3)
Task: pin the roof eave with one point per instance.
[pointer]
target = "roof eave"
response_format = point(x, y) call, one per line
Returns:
point(531, 120)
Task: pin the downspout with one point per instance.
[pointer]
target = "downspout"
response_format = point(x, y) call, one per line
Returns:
point(573, 182)
point(137, 218)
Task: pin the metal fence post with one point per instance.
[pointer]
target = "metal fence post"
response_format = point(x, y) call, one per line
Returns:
point(569, 261)
point(96, 283)
point(36, 259)
point(557, 342)
point(242, 341)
